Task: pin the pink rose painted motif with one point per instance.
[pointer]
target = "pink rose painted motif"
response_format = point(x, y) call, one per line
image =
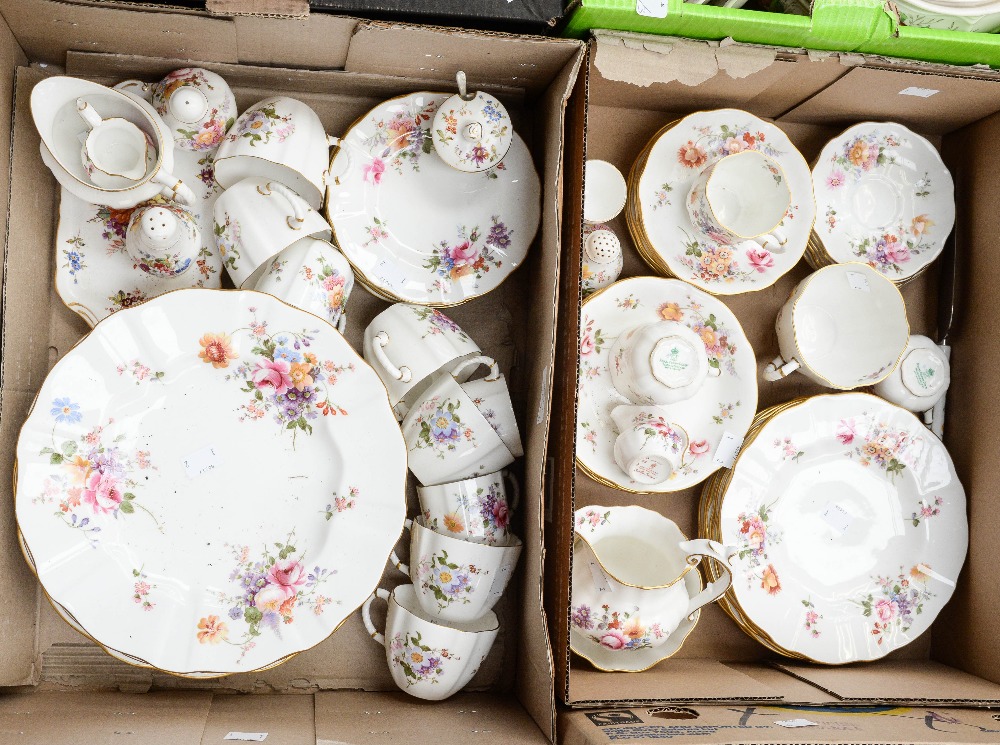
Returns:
point(592, 519)
point(262, 123)
point(329, 286)
point(93, 479)
point(882, 447)
point(281, 376)
point(139, 372)
point(469, 256)
point(616, 629)
point(754, 538)
point(342, 503)
point(211, 132)
point(437, 323)
point(272, 587)
point(812, 618)
point(788, 449)
point(895, 601)
point(399, 140)
point(927, 508)
point(142, 590)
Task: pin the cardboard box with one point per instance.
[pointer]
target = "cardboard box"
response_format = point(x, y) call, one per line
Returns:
point(861, 26)
point(635, 84)
point(528, 16)
point(341, 67)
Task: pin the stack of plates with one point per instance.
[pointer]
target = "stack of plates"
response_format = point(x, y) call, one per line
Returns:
point(851, 525)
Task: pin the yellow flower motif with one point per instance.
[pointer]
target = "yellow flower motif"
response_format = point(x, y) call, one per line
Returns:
point(299, 373)
point(217, 350)
point(446, 577)
point(920, 224)
point(453, 523)
point(671, 312)
point(79, 469)
point(212, 630)
point(417, 657)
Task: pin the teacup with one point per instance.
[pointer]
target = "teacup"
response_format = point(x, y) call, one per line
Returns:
point(409, 345)
point(279, 139)
point(920, 379)
point(741, 198)
point(313, 275)
point(197, 105)
point(475, 509)
point(257, 218)
point(448, 438)
point(649, 447)
point(635, 580)
point(163, 239)
point(492, 397)
point(453, 579)
point(659, 363)
point(428, 658)
point(843, 327)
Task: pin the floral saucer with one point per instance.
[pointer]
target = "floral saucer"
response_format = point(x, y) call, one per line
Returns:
point(657, 213)
point(884, 197)
point(852, 525)
point(414, 228)
point(125, 499)
point(94, 275)
point(721, 410)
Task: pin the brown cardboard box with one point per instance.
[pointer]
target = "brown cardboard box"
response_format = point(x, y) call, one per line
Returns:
point(341, 67)
point(635, 85)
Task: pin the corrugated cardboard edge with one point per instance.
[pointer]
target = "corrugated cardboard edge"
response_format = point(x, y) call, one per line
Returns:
point(265, 8)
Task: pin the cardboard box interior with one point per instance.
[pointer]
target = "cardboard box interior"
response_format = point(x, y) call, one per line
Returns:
point(341, 67)
point(634, 89)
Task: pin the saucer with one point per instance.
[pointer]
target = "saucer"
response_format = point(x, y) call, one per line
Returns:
point(414, 228)
point(125, 498)
point(720, 412)
point(586, 622)
point(95, 277)
point(883, 196)
point(852, 525)
point(658, 218)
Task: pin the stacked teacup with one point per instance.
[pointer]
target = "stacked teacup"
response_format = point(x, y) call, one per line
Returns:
point(460, 434)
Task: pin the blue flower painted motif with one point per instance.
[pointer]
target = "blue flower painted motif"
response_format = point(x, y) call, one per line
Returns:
point(65, 411)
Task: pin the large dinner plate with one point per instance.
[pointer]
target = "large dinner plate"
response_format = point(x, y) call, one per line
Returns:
point(210, 482)
point(852, 528)
point(414, 228)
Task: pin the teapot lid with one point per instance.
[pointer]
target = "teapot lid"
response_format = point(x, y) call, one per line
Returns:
point(471, 131)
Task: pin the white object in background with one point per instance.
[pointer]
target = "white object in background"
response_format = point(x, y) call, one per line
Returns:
point(197, 105)
point(603, 258)
point(163, 239)
point(951, 16)
point(279, 139)
point(257, 218)
point(843, 327)
point(472, 131)
point(475, 509)
point(659, 363)
point(635, 565)
point(429, 658)
point(920, 380)
point(456, 580)
point(604, 191)
point(492, 397)
point(313, 275)
point(648, 459)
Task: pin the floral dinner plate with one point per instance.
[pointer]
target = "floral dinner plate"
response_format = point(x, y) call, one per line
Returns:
point(414, 228)
point(94, 275)
point(196, 484)
point(658, 217)
point(852, 526)
point(884, 197)
point(721, 410)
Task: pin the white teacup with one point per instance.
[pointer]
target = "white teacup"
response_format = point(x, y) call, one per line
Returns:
point(457, 580)
point(920, 379)
point(635, 566)
point(448, 438)
point(659, 363)
point(649, 447)
point(475, 509)
point(742, 198)
point(257, 218)
point(312, 275)
point(163, 239)
point(409, 345)
point(843, 327)
point(279, 139)
point(428, 658)
point(492, 397)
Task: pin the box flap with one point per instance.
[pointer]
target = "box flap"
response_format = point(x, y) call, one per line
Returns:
point(761, 725)
point(397, 719)
point(103, 718)
point(286, 720)
point(280, 8)
point(904, 681)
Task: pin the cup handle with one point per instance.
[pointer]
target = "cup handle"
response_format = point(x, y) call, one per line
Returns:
point(367, 618)
point(402, 373)
point(514, 488)
point(342, 323)
point(346, 156)
point(404, 568)
point(136, 88)
point(703, 547)
point(777, 369)
point(87, 113)
point(295, 202)
point(483, 360)
point(174, 189)
point(773, 241)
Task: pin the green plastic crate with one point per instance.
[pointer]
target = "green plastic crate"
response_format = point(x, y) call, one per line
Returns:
point(866, 26)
